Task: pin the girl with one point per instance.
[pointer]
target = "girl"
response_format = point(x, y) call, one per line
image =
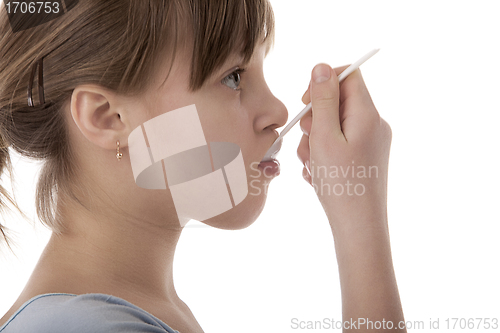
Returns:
point(104, 69)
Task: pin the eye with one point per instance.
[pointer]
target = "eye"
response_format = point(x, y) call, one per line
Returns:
point(233, 80)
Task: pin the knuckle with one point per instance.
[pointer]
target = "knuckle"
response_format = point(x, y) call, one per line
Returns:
point(303, 151)
point(323, 102)
point(358, 77)
point(299, 156)
point(340, 69)
point(305, 125)
point(305, 175)
point(386, 128)
point(355, 83)
point(374, 118)
point(324, 94)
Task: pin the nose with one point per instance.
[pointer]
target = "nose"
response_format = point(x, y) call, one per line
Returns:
point(273, 113)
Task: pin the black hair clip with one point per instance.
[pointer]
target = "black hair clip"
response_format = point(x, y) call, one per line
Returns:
point(41, 96)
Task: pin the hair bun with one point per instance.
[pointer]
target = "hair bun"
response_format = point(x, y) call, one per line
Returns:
point(33, 131)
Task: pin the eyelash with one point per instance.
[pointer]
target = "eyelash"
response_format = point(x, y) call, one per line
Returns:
point(238, 72)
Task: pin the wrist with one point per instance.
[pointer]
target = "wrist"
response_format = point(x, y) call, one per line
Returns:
point(348, 218)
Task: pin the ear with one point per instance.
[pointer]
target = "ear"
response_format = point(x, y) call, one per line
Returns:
point(98, 113)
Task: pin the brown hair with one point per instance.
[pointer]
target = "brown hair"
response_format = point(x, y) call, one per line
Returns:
point(116, 44)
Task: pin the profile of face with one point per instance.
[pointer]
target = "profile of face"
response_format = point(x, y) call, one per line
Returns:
point(234, 105)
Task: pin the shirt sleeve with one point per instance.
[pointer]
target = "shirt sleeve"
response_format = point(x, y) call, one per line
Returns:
point(92, 313)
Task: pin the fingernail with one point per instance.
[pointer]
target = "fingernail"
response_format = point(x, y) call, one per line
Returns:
point(321, 73)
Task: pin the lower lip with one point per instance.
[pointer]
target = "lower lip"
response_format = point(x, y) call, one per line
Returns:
point(270, 168)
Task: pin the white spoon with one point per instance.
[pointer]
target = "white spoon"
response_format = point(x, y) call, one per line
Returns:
point(276, 146)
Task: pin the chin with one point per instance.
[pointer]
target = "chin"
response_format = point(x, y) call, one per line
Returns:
point(242, 215)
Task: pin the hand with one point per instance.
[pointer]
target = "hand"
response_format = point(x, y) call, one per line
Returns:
point(345, 147)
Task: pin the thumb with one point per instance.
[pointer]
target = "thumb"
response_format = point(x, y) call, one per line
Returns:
point(325, 103)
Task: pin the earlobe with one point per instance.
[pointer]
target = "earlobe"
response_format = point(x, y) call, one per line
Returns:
point(98, 114)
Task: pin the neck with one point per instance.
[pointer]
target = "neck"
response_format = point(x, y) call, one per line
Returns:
point(112, 254)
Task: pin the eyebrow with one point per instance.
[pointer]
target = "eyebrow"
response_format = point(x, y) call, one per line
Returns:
point(236, 60)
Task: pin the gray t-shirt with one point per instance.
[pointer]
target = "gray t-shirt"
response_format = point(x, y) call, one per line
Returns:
point(92, 313)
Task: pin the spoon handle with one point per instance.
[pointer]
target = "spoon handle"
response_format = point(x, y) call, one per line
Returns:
point(276, 146)
point(341, 77)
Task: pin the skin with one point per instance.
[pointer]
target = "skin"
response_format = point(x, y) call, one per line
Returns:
point(344, 126)
point(126, 246)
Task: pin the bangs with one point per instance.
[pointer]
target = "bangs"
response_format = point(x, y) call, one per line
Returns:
point(222, 28)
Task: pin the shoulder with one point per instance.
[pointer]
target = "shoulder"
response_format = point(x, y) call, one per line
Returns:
point(96, 313)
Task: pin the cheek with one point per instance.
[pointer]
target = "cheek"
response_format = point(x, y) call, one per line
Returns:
point(222, 118)
point(240, 132)
point(227, 129)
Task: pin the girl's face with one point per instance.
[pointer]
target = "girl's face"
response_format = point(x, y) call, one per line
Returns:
point(234, 105)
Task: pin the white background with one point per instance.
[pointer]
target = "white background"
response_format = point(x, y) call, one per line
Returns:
point(436, 81)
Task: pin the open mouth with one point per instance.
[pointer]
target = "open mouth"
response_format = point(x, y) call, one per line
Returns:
point(269, 165)
point(273, 151)
point(270, 168)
